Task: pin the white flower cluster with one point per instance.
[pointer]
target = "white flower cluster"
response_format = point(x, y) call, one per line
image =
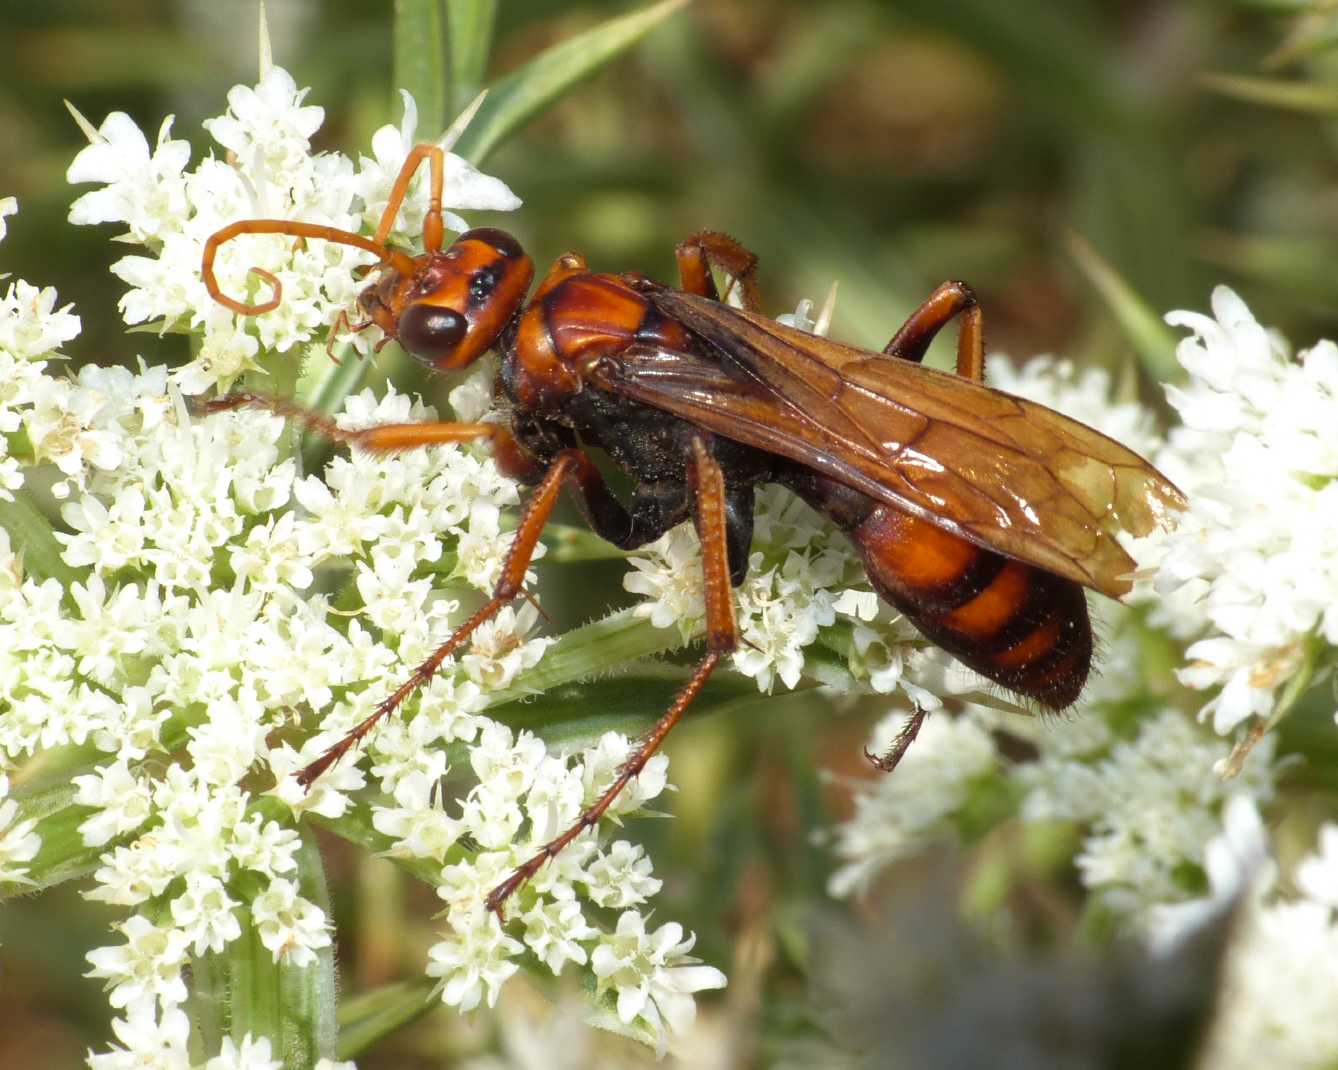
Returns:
point(1149, 805)
point(31, 330)
point(148, 1041)
point(1251, 571)
point(199, 630)
point(526, 796)
point(269, 172)
point(1275, 1006)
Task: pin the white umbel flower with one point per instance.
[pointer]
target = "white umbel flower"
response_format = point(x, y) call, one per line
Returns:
point(1251, 571)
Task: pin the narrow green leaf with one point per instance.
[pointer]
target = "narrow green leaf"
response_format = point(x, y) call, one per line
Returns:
point(420, 60)
point(31, 535)
point(576, 715)
point(469, 25)
point(521, 95)
point(1152, 340)
point(1283, 6)
point(1311, 37)
point(367, 1018)
point(1313, 98)
point(242, 990)
point(594, 649)
point(1299, 265)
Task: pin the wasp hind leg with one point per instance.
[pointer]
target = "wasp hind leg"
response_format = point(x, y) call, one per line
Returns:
point(950, 299)
point(710, 515)
point(706, 249)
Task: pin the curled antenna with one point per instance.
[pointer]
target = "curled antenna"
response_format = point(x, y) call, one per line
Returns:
point(397, 259)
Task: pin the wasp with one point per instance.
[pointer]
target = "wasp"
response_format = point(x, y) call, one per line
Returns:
point(978, 515)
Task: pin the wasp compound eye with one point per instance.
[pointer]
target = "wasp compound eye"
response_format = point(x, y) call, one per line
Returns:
point(431, 333)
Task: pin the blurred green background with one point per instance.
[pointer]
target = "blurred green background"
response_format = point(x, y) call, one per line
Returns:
point(887, 145)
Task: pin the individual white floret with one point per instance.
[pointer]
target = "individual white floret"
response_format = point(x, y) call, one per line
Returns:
point(146, 967)
point(652, 977)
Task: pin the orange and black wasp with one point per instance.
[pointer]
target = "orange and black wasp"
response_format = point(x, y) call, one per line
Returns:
point(980, 516)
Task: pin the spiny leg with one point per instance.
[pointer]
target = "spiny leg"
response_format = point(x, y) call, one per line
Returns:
point(707, 484)
point(509, 585)
point(602, 509)
point(950, 299)
point(605, 513)
point(700, 252)
point(900, 745)
point(341, 328)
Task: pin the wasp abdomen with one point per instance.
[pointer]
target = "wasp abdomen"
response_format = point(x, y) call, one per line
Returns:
point(1021, 626)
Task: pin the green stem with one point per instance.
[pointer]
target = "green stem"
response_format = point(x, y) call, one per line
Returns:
point(242, 990)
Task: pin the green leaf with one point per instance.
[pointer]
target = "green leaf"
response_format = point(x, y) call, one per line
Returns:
point(1147, 333)
point(62, 855)
point(367, 1018)
point(521, 95)
point(243, 990)
point(1313, 98)
point(575, 715)
point(469, 27)
point(420, 60)
point(591, 650)
point(31, 536)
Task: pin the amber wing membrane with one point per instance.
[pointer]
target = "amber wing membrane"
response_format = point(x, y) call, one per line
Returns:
point(1003, 472)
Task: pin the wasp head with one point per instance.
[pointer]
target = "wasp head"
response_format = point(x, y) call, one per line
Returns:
point(451, 307)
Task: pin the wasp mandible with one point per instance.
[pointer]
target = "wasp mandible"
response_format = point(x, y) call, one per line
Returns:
point(980, 516)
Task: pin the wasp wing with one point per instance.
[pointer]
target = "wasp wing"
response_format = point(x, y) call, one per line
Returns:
point(1000, 471)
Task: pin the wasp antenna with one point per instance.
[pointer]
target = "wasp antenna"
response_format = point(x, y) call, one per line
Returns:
point(398, 260)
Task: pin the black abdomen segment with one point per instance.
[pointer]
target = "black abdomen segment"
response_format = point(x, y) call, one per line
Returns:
point(1020, 626)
